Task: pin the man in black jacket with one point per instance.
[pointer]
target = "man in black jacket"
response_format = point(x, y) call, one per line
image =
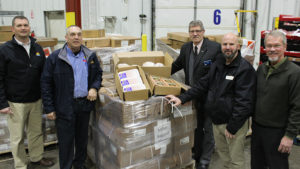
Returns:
point(276, 120)
point(229, 89)
point(70, 80)
point(21, 65)
point(195, 59)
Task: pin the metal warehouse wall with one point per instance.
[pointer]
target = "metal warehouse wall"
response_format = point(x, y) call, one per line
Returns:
point(33, 10)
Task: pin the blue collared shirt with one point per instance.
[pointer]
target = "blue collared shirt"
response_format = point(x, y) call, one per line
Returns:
point(80, 70)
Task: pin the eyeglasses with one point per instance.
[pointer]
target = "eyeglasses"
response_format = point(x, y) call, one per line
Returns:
point(197, 31)
point(273, 46)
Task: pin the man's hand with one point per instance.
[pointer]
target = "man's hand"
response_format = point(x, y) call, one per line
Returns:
point(285, 145)
point(51, 116)
point(173, 99)
point(6, 110)
point(92, 96)
point(228, 134)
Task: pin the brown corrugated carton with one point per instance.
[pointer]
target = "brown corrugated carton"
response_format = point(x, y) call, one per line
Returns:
point(93, 33)
point(5, 36)
point(133, 95)
point(179, 36)
point(138, 58)
point(5, 28)
point(96, 42)
point(163, 86)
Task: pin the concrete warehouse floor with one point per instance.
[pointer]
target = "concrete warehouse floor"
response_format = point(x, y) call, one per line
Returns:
point(6, 161)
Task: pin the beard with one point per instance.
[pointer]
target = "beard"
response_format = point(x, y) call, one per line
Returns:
point(230, 56)
point(273, 59)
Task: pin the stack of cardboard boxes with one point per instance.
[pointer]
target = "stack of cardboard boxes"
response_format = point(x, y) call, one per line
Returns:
point(4, 134)
point(96, 38)
point(136, 130)
point(177, 39)
point(48, 127)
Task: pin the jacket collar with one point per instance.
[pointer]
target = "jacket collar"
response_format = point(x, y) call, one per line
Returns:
point(63, 53)
point(222, 61)
point(283, 67)
point(14, 42)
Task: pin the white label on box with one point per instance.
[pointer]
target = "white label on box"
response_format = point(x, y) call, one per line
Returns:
point(162, 131)
point(2, 132)
point(162, 146)
point(106, 68)
point(184, 110)
point(124, 43)
point(139, 133)
point(113, 149)
point(185, 140)
point(101, 98)
point(163, 150)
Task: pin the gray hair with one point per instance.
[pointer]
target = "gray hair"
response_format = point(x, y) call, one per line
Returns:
point(68, 28)
point(276, 33)
point(196, 23)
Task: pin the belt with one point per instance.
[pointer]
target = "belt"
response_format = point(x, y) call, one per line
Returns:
point(79, 98)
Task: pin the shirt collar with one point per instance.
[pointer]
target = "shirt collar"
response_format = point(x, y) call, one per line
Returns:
point(70, 53)
point(199, 45)
point(21, 43)
point(276, 66)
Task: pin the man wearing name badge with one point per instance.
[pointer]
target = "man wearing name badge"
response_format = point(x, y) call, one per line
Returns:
point(229, 90)
point(276, 120)
point(21, 65)
point(195, 59)
point(70, 80)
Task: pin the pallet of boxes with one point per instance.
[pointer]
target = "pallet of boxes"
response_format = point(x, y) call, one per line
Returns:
point(135, 127)
point(106, 45)
point(48, 127)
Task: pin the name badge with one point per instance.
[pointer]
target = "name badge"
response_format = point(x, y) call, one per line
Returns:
point(228, 77)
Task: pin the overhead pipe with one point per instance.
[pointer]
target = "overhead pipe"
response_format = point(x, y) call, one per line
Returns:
point(195, 10)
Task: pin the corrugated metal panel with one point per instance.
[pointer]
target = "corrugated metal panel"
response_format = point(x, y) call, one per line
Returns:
point(33, 10)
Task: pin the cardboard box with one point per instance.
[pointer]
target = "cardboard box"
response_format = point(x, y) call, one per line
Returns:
point(127, 114)
point(216, 38)
point(176, 44)
point(138, 58)
point(46, 42)
point(166, 40)
point(179, 36)
point(178, 161)
point(96, 42)
point(5, 28)
point(5, 36)
point(124, 158)
point(116, 41)
point(183, 142)
point(133, 95)
point(93, 33)
point(163, 86)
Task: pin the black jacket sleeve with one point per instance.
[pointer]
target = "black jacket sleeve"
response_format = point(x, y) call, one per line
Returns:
point(47, 84)
point(244, 98)
point(197, 91)
point(178, 64)
point(97, 74)
point(3, 100)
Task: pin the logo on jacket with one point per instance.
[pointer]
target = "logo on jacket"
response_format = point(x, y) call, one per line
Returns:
point(37, 54)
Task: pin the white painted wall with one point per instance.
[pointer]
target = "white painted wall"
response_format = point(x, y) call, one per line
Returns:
point(175, 15)
point(94, 13)
point(33, 10)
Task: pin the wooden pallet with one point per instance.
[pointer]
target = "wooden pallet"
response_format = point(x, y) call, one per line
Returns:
point(191, 165)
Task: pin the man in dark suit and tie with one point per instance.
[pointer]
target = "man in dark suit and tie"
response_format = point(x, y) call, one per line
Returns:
point(195, 59)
